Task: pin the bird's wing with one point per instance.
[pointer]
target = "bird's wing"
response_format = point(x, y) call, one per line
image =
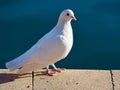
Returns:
point(46, 51)
point(28, 67)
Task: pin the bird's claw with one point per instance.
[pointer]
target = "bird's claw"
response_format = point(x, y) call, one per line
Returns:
point(50, 73)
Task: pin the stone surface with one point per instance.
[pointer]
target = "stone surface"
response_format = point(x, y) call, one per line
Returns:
point(66, 80)
point(75, 80)
point(116, 79)
point(11, 81)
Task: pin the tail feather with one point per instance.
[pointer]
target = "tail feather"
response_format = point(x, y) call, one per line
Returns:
point(15, 64)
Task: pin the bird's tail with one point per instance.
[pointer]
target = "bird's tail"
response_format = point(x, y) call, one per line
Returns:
point(15, 64)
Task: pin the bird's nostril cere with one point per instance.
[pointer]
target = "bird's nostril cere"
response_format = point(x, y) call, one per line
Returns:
point(74, 18)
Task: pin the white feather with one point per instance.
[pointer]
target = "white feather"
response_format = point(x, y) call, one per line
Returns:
point(54, 46)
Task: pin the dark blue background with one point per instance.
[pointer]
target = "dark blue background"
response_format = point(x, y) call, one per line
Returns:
point(96, 31)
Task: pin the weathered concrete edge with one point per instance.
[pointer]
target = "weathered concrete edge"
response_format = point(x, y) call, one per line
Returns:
point(111, 72)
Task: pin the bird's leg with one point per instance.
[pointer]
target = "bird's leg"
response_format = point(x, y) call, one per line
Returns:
point(56, 69)
point(49, 72)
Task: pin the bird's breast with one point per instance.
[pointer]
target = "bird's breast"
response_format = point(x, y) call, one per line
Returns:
point(65, 43)
point(56, 45)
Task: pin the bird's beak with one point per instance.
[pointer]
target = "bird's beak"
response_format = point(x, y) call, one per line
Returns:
point(74, 18)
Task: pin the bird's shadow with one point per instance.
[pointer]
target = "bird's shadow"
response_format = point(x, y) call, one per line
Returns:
point(10, 77)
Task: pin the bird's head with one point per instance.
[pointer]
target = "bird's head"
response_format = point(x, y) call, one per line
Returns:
point(67, 15)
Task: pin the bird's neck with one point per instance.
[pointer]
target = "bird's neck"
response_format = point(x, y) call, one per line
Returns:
point(63, 24)
point(62, 21)
point(63, 28)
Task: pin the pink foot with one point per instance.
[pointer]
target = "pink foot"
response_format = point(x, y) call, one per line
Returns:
point(58, 69)
point(49, 72)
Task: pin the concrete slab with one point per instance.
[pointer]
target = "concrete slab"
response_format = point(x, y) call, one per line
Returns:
point(116, 79)
point(11, 81)
point(75, 80)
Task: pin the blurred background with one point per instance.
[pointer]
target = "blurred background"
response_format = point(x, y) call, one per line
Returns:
point(96, 31)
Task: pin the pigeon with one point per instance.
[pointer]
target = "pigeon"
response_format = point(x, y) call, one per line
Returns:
point(52, 47)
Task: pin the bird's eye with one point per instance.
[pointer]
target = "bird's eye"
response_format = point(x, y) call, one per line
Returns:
point(67, 14)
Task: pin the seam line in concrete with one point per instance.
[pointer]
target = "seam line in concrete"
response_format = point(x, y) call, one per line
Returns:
point(32, 80)
point(112, 80)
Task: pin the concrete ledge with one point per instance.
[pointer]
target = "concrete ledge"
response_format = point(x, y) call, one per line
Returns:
point(66, 80)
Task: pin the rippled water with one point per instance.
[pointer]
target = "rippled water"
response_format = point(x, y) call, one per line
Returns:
point(96, 31)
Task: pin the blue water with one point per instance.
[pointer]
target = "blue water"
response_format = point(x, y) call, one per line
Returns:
point(96, 31)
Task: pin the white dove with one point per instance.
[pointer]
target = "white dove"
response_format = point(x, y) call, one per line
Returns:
point(52, 47)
